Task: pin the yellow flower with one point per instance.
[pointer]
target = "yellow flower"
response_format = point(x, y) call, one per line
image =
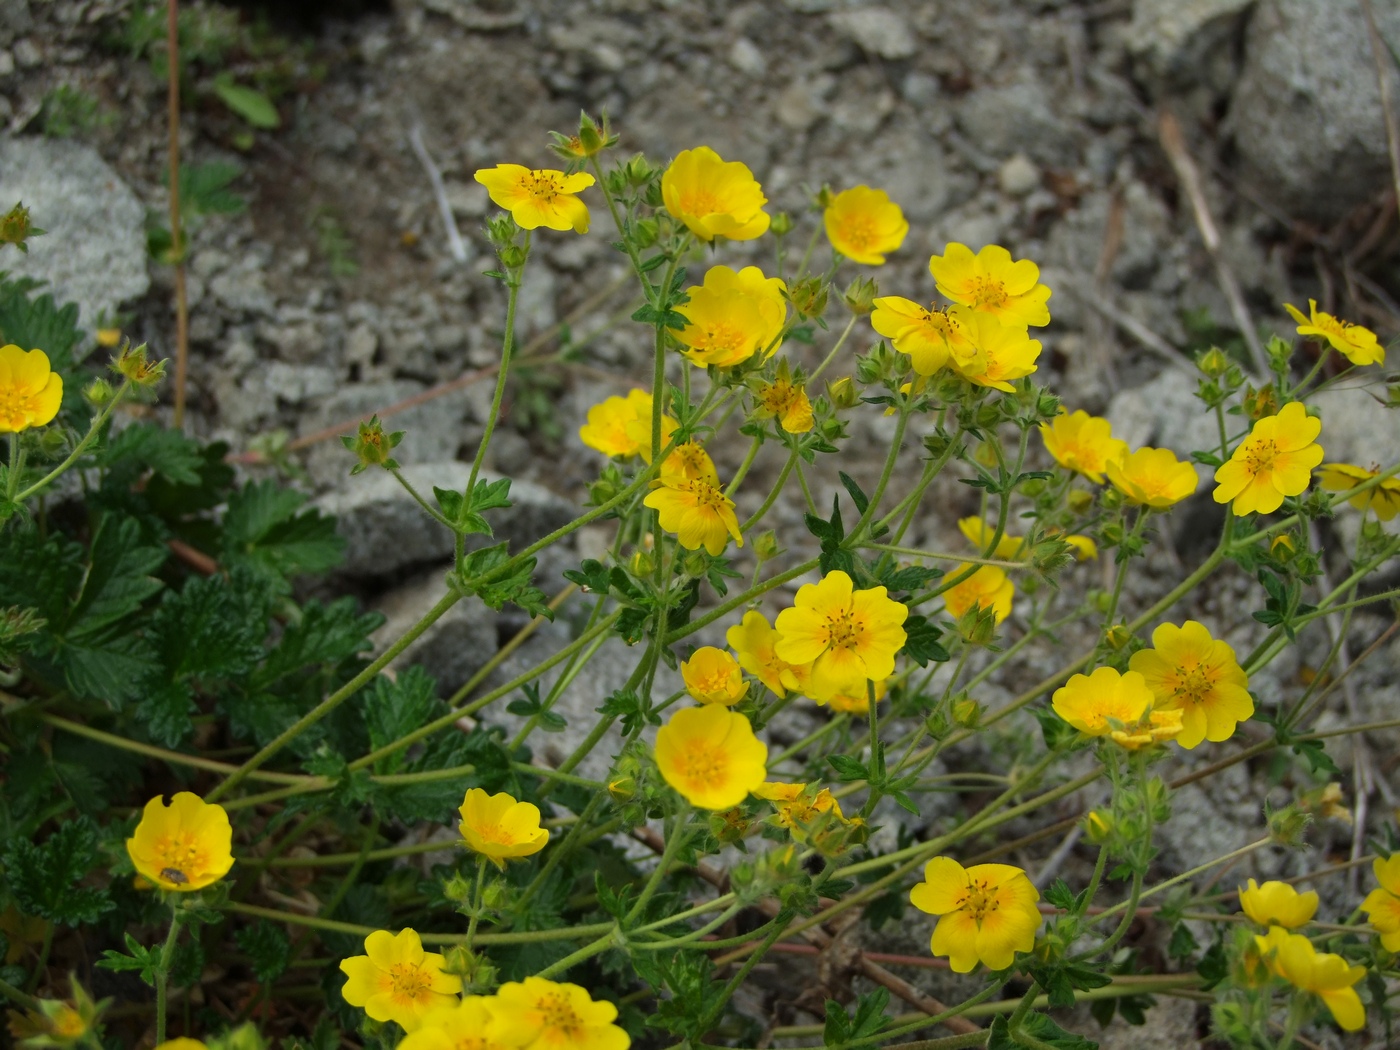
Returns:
point(1153, 477)
point(929, 337)
point(797, 804)
point(1189, 670)
point(714, 198)
point(851, 635)
point(857, 701)
point(990, 282)
point(1275, 461)
point(1384, 499)
point(1001, 352)
point(182, 1042)
point(1358, 345)
point(639, 432)
point(1082, 443)
point(864, 225)
point(30, 392)
point(1154, 727)
point(461, 1026)
point(710, 755)
point(611, 426)
point(538, 198)
point(785, 400)
point(183, 847)
point(988, 912)
point(1382, 904)
point(396, 980)
point(1277, 904)
point(539, 1014)
point(987, 588)
point(698, 512)
point(1093, 703)
point(753, 639)
point(499, 827)
point(1329, 977)
point(979, 534)
point(732, 316)
point(687, 461)
point(712, 676)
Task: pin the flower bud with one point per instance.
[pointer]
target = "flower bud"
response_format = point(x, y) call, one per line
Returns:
point(1117, 636)
point(645, 232)
point(99, 392)
point(809, 296)
point(860, 296)
point(1283, 547)
point(781, 225)
point(622, 789)
point(1080, 500)
point(501, 231)
point(823, 197)
point(978, 626)
point(513, 256)
point(967, 713)
point(137, 367)
point(642, 564)
point(1098, 826)
point(15, 228)
point(765, 545)
point(843, 392)
point(1261, 402)
point(695, 565)
point(1213, 362)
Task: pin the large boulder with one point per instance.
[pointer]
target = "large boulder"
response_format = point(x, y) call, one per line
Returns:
point(94, 250)
point(1307, 112)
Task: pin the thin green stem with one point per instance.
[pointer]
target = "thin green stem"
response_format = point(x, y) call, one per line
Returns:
point(503, 373)
point(162, 974)
point(477, 891)
point(428, 508)
point(830, 357)
point(78, 449)
point(585, 953)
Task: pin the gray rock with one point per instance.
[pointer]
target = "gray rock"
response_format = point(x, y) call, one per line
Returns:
point(1018, 175)
point(745, 56)
point(386, 531)
point(1165, 413)
point(94, 253)
point(454, 648)
point(879, 31)
point(1182, 42)
point(1015, 117)
point(1307, 114)
point(1356, 428)
point(803, 102)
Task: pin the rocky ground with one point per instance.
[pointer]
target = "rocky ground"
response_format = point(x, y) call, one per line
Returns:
point(1036, 124)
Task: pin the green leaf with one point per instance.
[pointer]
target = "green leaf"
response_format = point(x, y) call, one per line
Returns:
point(268, 949)
point(35, 321)
point(264, 533)
point(1059, 894)
point(250, 104)
point(1040, 1028)
point(45, 879)
point(204, 189)
point(922, 643)
point(394, 708)
point(848, 768)
point(592, 576)
point(858, 497)
point(145, 446)
point(143, 960)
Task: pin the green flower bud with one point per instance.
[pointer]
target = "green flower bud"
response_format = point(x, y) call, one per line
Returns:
point(372, 446)
point(860, 296)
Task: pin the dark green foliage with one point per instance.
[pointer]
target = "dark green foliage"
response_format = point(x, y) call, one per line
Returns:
point(35, 321)
point(264, 533)
point(46, 880)
point(268, 949)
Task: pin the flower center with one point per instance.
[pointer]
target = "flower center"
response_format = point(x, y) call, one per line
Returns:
point(701, 766)
point(981, 898)
point(1259, 457)
point(494, 833)
point(15, 408)
point(777, 397)
point(700, 202)
point(707, 497)
point(68, 1024)
point(688, 458)
point(843, 631)
point(858, 231)
point(180, 856)
point(408, 983)
point(1193, 684)
point(543, 185)
point(987, 291)
point(943, 325)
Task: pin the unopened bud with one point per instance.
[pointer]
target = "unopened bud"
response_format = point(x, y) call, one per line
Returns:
point(809, 296)
point(1080, 500)
point(1213, 362)
point(843, 392)
point(15, 227)
point(967, 713)
point(622, 789)
point(99, 392)
point(765, 545)
point(860, 296)
point(781, 225)
point(1286, 826)
point(1117, 636)
point(1283, 547)
point(136, 366)
point(1260, 403)
point(372, 446)
point(108, 337)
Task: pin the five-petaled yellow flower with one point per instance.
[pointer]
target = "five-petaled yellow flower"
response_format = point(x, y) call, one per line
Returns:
point(30, 392)
point(540, 197)
point(500, 827)
point(184, 846)
point(786, 401)
point(1277, 904)
point(396, 980)
point(688, 461)
point(710, 755)
point(980, 534)
point(987, 588)
point(1382, 904)
point(931, 338)
point(1094, 703)
point(754, 640)
point(539, 1014)
point(1153, 477)
point(1330, 977)
point(1190, 671)
point(798, 804)
point(991, 282)
point(1082, 443)
point(851, 635)
point(714, 198)
point(987, 912)
point(732, 315)
point(1000, 352)
point(697, 511)
point(1358, 345)
point(864, 225)
point(1275, 461)
point(621, 426)
point(1383, 500)
point(461, 1026)
point(712, 676)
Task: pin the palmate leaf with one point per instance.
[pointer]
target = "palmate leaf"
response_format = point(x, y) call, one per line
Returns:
point(36, 321)
point(264, 533)
point(45, 879)
point(145, 446)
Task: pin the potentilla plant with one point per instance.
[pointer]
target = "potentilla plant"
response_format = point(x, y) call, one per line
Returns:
point(545, 928)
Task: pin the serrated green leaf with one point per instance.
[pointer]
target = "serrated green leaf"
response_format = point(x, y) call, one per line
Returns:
point(264, 533)
point(46, 880)
point(268, 949)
